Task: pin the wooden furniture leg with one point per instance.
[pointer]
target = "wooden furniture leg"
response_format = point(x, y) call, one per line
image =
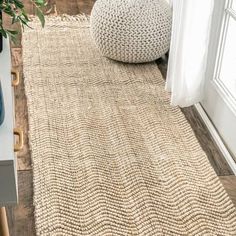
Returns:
point(4, 231)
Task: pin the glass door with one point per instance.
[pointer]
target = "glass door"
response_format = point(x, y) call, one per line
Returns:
point(225, 75)
point(220, 94)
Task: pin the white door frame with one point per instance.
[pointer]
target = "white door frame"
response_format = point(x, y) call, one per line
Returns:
point(218, 37)
point(216, 31)
point(217, 41)
point(216, 137)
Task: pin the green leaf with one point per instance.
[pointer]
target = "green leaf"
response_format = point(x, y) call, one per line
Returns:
point(40, 15)
point(23, 20)
point(18, 4)
point(12, 35)
point(12, 32)
point(39, 2)
point(16, 10)
point(14, 19)
point(4, 33)
point(25, 14)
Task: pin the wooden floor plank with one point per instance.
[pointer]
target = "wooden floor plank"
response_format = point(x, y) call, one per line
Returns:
point(23, 157)
point(85, 6)
point(207, 143)
point(28, 6)
point(67, 7)
point(21, 217)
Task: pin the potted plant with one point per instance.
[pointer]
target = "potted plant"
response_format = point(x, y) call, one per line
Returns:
point(16, 10)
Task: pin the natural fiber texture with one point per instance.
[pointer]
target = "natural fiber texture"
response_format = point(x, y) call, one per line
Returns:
point(110, 155)
point(131, 30)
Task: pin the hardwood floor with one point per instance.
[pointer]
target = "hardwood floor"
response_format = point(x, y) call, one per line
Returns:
point(21, 219)
point(207, 143)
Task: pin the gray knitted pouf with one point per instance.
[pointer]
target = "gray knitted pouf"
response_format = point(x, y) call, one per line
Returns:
point(132, 31)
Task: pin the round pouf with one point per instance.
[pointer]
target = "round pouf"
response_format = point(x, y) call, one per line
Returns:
point(133, 31)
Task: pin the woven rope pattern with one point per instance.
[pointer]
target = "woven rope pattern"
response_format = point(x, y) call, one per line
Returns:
point(110, 155)
point(131, 30)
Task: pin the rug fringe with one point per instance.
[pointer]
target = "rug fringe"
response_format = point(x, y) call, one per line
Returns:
point(51, 19)
point(66, 17)
point(80, 17)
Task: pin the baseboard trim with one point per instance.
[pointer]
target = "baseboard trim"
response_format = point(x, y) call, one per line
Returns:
point(228, 157)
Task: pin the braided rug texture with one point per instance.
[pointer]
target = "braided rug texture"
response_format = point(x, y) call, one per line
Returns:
point(110, 155)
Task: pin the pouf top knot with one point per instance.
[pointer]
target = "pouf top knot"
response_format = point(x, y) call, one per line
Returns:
point(132, 31)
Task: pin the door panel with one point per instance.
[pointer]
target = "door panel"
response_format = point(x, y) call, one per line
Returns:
point(227, 73)
point(220, 94)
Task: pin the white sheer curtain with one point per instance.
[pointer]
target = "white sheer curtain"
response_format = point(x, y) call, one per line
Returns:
point(188, 50)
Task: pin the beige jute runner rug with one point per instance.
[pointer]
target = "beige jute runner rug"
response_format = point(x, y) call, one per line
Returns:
point(110, 155)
